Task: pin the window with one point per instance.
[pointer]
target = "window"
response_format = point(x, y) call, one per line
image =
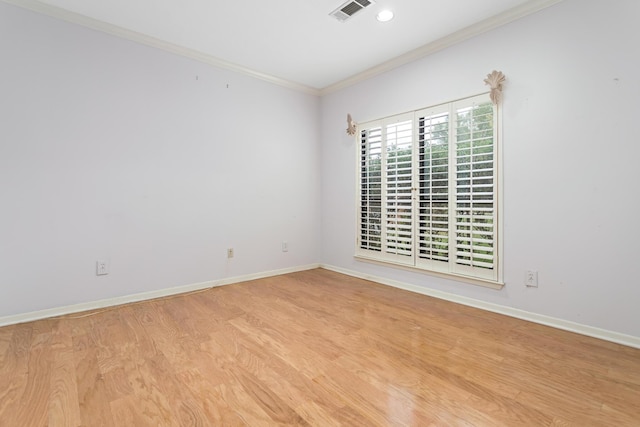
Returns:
point(428, 190)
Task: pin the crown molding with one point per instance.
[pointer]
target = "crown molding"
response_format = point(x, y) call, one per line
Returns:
point(442, 43)
point(419, 53)
point(94, 24)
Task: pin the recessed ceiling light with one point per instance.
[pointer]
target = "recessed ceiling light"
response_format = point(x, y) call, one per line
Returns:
point(384, 16)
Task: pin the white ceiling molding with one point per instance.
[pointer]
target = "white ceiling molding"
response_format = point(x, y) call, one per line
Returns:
point(421, 52)
point(450, 40)
point(144, 39)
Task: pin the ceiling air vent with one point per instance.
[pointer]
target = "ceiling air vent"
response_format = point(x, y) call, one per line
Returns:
point(350, 8)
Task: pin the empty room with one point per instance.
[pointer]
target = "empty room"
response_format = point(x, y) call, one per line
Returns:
point(317, 212)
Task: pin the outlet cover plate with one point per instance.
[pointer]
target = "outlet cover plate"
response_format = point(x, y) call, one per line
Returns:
point(531, 279)
point(102, 267)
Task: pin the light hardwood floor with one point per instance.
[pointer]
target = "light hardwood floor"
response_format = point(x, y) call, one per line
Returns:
point(310, 348)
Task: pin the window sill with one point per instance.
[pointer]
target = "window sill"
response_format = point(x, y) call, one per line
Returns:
point(456, 277)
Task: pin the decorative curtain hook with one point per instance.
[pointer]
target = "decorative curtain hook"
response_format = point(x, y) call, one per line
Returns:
point(495, 80)
point(351, 125)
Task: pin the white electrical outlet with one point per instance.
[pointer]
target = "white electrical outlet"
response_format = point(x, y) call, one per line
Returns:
point(285, 247)
point(531, 279)
point(102, 267)
point(230, 253)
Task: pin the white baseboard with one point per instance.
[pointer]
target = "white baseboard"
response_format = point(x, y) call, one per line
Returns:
point(110, 302)
point(566, 325)
point(628, 340)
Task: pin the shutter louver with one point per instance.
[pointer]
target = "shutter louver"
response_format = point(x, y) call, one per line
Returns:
point(398, 208)
point(475, 201)
point(371, 189)
point(433, 187)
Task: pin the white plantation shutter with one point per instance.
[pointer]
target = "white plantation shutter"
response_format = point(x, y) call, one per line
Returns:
point(385, 210)
point(433, 188)
point(428, 189)
point(371, 189)
point(398, 216)
point(474, 187)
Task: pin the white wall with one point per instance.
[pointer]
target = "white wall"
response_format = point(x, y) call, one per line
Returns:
point(571, 153)
point(109, 149)
point(113, 150)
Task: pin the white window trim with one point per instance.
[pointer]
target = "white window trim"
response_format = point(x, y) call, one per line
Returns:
point(498, 189)
point(450, 276)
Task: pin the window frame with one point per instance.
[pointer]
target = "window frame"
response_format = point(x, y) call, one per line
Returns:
point(494, 279)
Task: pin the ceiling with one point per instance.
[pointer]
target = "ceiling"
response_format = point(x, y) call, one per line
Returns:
point(293, 42)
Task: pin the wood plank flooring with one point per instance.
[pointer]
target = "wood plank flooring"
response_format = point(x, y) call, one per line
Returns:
point(310, 348)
